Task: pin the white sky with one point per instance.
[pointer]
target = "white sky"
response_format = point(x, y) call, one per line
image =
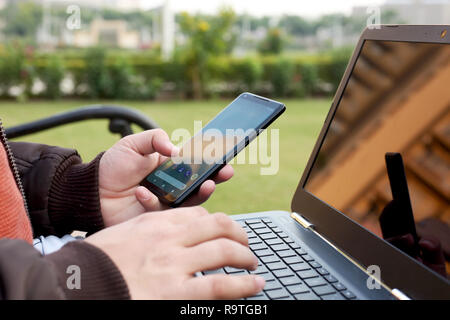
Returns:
point(307, 8)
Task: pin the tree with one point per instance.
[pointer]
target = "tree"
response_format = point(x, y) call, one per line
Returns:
point(296, 25)
point(21, 19)
point(206, 37)
point(273, 43)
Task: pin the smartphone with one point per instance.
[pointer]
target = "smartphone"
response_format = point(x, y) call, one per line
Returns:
point(211, 148)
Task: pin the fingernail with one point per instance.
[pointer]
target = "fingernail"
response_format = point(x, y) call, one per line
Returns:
point(175, 149)
point(260, 282)
point(255, 263)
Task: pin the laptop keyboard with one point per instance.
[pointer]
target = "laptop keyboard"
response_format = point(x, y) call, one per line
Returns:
point(291, 273)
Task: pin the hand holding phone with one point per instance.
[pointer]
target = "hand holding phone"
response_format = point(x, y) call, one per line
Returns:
point(209, 150)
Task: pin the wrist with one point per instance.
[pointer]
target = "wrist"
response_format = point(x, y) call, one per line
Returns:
point(74, 201)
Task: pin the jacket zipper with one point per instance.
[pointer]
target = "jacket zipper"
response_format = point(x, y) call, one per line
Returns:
point(12, 164)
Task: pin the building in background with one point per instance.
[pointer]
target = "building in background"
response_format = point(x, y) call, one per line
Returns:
point(111, 33)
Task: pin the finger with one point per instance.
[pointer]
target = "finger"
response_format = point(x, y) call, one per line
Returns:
point(186, 215)
point(203, 194)
point(214, 226)
point(432, 250)
point(151, 141)
point(148, 200)
point(221, 286)
point(179, 216)
point(221, 253)
point(224, 174)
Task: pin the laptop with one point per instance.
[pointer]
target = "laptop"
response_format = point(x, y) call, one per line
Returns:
point(385, 142)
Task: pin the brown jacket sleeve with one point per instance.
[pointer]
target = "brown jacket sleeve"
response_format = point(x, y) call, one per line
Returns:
point(61, 192)
point(25, 274)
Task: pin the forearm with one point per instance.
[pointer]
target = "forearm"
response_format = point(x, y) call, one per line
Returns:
point(74, 201)
point(25, 274)
point(61, 192)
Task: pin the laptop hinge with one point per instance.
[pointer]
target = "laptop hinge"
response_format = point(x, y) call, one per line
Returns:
point(302, 220)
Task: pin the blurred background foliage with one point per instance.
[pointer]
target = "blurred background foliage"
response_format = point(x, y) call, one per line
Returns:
point(194, 72)
point(205, 64)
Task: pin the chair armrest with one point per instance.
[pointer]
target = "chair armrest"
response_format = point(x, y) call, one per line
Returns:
point(120, 118)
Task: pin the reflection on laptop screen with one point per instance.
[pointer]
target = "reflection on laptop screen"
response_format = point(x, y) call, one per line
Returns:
point(397, 100)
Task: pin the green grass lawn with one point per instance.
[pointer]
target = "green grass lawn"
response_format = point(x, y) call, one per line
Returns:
point(248, 191)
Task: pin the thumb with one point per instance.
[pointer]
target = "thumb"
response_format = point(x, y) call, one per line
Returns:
point(150, 141)
point(148, 200)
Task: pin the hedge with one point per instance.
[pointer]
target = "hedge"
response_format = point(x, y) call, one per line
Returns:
point(97, 73)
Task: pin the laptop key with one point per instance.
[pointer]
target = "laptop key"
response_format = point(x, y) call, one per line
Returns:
point(333, 296)
point(283, 273)
point(258, 246)
point(292, 260)
point(269, 259)
point(256, 226)
point(259, 270)
point(286, 253)
point(330, 279)
point(307, 274)
point(262, 230)
point(276, 266)
point(295, 246)
point(286, 298)
point(339, 286)
point(290, 280)
point(277, 230)
point(277, 294)
point(252, 221)
point(315, 264)
point(263, 253)
point(253, 240)
point(271, 224)
point(348, 294)
point(272, 242)
point(314, 282)
point(267, 236)
point(241, 223)
point(307, 257)
point(267, 276)
point(298, 288)
point(323, 271)
point(301, 251)
point(289, 240)
point(272, 285)
point(259, 296)
point(234, 270)
point(280, 247)
point(300, 266)
point(306, 296)
point(264, 297)
point(283, 235)
point(267, 220)
point(323, 290)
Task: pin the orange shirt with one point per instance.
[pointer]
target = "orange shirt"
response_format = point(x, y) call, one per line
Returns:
point(14, 222)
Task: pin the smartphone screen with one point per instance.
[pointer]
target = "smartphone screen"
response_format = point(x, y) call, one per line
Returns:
point(217, 143)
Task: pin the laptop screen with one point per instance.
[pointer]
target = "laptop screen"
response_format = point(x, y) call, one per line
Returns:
point(391, 132)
